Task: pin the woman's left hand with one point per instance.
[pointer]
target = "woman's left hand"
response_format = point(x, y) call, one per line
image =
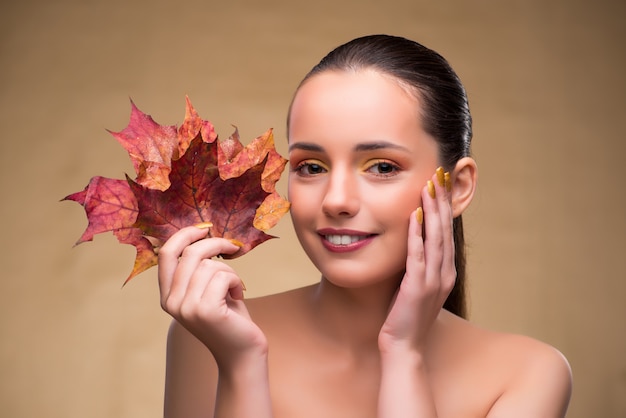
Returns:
point(430, 272)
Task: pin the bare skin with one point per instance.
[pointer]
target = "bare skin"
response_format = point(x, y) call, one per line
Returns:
point(314, 375)
point(371, 339)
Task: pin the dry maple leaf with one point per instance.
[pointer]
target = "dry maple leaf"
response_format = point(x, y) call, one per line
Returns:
point(185, 176)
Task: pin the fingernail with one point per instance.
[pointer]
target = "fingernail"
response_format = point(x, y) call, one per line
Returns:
point(431, 189)
point(419, 215)
point(204, 225)
point(236, 242)
point(440, 176)
point(243, 285)
point(447, 181)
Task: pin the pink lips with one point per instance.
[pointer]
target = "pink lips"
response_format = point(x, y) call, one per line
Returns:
point(344, 240)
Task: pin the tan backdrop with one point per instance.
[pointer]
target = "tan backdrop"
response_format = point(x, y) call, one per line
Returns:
point(546, 83)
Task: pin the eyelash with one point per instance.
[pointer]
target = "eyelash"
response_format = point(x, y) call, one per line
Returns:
point(304, 168)
point(379, 163)
point(307, 165)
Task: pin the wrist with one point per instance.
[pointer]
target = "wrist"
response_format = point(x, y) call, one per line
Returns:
point(243, 368)
point(391, 348)
point(231, 357)
point(402, 358)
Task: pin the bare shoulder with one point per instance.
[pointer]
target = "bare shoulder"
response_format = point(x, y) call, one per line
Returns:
point(533, 378)
point(541, 382)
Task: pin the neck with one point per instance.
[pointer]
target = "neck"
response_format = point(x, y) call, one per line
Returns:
point(349, 317)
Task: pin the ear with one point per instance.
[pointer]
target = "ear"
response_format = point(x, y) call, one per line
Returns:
point(463, 179)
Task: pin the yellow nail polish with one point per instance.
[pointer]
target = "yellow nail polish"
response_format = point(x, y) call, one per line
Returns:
point(431, 189)
point(236, 242)
point(440, 176)
point(447, 181)
point(204, 225)
point(419, 215)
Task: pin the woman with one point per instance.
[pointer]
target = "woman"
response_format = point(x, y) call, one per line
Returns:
point(380, 173)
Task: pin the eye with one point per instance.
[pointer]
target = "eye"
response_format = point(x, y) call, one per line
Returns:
point(383, 168)
point(309, 168)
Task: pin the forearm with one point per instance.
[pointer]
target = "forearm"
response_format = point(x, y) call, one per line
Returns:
point(405, 389)
point(244, 392)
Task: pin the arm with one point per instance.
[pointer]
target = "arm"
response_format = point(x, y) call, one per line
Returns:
point(204, 296)
point(430, 274)
point(539, 384)
point(244, 391)
point(405, 387)
point(190, 376)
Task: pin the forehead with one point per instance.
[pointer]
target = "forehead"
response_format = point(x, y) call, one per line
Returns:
point(369, 83)
point(363, 102)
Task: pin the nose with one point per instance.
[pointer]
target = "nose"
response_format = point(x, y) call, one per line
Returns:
point(342, 194)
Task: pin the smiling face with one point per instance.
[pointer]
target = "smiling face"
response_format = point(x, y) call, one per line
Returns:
point(359, 159)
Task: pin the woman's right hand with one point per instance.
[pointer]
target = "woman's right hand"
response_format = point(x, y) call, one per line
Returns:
point(206, 296)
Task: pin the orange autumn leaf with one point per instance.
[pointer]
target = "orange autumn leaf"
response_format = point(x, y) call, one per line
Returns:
point(271, 210)
point(151, 148)
point(233, 159)
point(185, 176)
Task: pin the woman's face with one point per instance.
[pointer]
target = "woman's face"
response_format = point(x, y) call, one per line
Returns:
point(359, 159)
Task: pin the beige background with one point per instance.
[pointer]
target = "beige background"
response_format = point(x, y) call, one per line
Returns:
point(547, 229)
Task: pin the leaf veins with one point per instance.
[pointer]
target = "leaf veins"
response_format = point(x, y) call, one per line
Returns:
point(185, 176)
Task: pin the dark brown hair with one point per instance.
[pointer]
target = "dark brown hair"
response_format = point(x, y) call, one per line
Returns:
point(445, 114)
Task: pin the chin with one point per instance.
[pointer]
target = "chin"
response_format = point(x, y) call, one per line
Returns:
point(359, 276)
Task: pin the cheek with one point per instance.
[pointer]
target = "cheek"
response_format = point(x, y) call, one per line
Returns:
point(397, 201)
point(301, 202)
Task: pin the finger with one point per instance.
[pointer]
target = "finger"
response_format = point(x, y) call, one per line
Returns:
point(445, 212)
point(224, 284)
point(192, 256)
point(188, 243)
point(433, 241)
point(415, 263)
point(205, 273)
point(170, 252)
point(443, 201)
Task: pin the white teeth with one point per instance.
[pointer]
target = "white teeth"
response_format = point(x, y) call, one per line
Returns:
point(343, 239)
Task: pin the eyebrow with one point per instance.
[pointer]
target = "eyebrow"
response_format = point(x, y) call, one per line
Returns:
point(306, 146)
point(376, 145)
point(365, 146)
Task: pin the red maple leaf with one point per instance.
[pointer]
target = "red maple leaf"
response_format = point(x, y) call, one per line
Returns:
point(185, 176)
